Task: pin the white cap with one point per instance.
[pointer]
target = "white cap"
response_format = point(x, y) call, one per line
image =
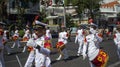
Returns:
point(40, 23)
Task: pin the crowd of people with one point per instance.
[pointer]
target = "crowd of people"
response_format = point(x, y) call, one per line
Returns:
point(40, 46)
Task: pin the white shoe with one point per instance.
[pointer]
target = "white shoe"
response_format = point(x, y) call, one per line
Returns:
point(8, 53)
point(58, 59)
point(12, 47)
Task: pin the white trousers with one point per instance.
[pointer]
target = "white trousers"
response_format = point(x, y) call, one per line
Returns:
point(30, 59)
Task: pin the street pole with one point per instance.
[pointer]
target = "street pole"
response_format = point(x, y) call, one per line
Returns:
point(64, 12)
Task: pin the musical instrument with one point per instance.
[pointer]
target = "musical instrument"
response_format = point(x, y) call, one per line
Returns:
point(101, 59)
point(60, 45)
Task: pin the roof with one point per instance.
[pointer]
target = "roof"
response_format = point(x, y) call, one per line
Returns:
point(110, 4)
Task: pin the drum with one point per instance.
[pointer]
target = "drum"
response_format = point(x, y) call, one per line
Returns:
point(48, 45)
point(60, 45)
point(101, 59)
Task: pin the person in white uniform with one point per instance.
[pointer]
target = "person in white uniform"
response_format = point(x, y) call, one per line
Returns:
point(80, 39)
point(5, 40)
point(42, 58)
point(2, 63)
point(16, 39)
point(26, 37)
point(97, 57)
point(61, 44)
point(117, 40)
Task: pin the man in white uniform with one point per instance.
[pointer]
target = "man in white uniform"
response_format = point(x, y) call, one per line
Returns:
point(61, 45)
point(80, 39)
point(42, 58)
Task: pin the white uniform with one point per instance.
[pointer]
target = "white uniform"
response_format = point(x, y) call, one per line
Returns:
point(94, 53)
point(48, 34)
point(2, 63)
point(79, 38)
point(99, 38)
point(34, 36)
point(27, 34)
point(26, 37)
point(41, 55)
point(117, 42)
point(63, 38)
point(16, 42)
point(5, 39)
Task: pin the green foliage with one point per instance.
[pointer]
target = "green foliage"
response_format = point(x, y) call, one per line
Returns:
point(91, 5)
point(21, 33)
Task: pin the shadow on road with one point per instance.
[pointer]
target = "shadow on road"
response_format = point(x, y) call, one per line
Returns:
point(68, 59)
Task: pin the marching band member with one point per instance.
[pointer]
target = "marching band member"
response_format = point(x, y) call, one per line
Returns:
point(5, 39)
point(2, 63)
point(80, 39)
point(97, 57)
point(61, 44)
point(26, 37)
point(117, 40)
point(31, 49)
point(16, 39)
point(99, 37)
point(48, 33)
point(42, 58)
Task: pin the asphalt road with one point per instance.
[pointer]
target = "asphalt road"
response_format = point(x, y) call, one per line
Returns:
point(73, 61)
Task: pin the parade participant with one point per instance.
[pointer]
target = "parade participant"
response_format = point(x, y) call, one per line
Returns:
point(16, 39)
point(61, 44)
point(80, 39)
point(97, 57)
point(27, 34)
point(117, 40)
point(42, 58)
point(2, 63)
point(99, 37)
point(5, 40)
point(26, 37)
point(48, 35)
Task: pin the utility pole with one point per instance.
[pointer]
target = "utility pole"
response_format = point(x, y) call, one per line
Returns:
point(64, 12)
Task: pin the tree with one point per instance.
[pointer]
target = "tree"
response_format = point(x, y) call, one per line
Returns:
point(92, 5)
point(3, 9)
